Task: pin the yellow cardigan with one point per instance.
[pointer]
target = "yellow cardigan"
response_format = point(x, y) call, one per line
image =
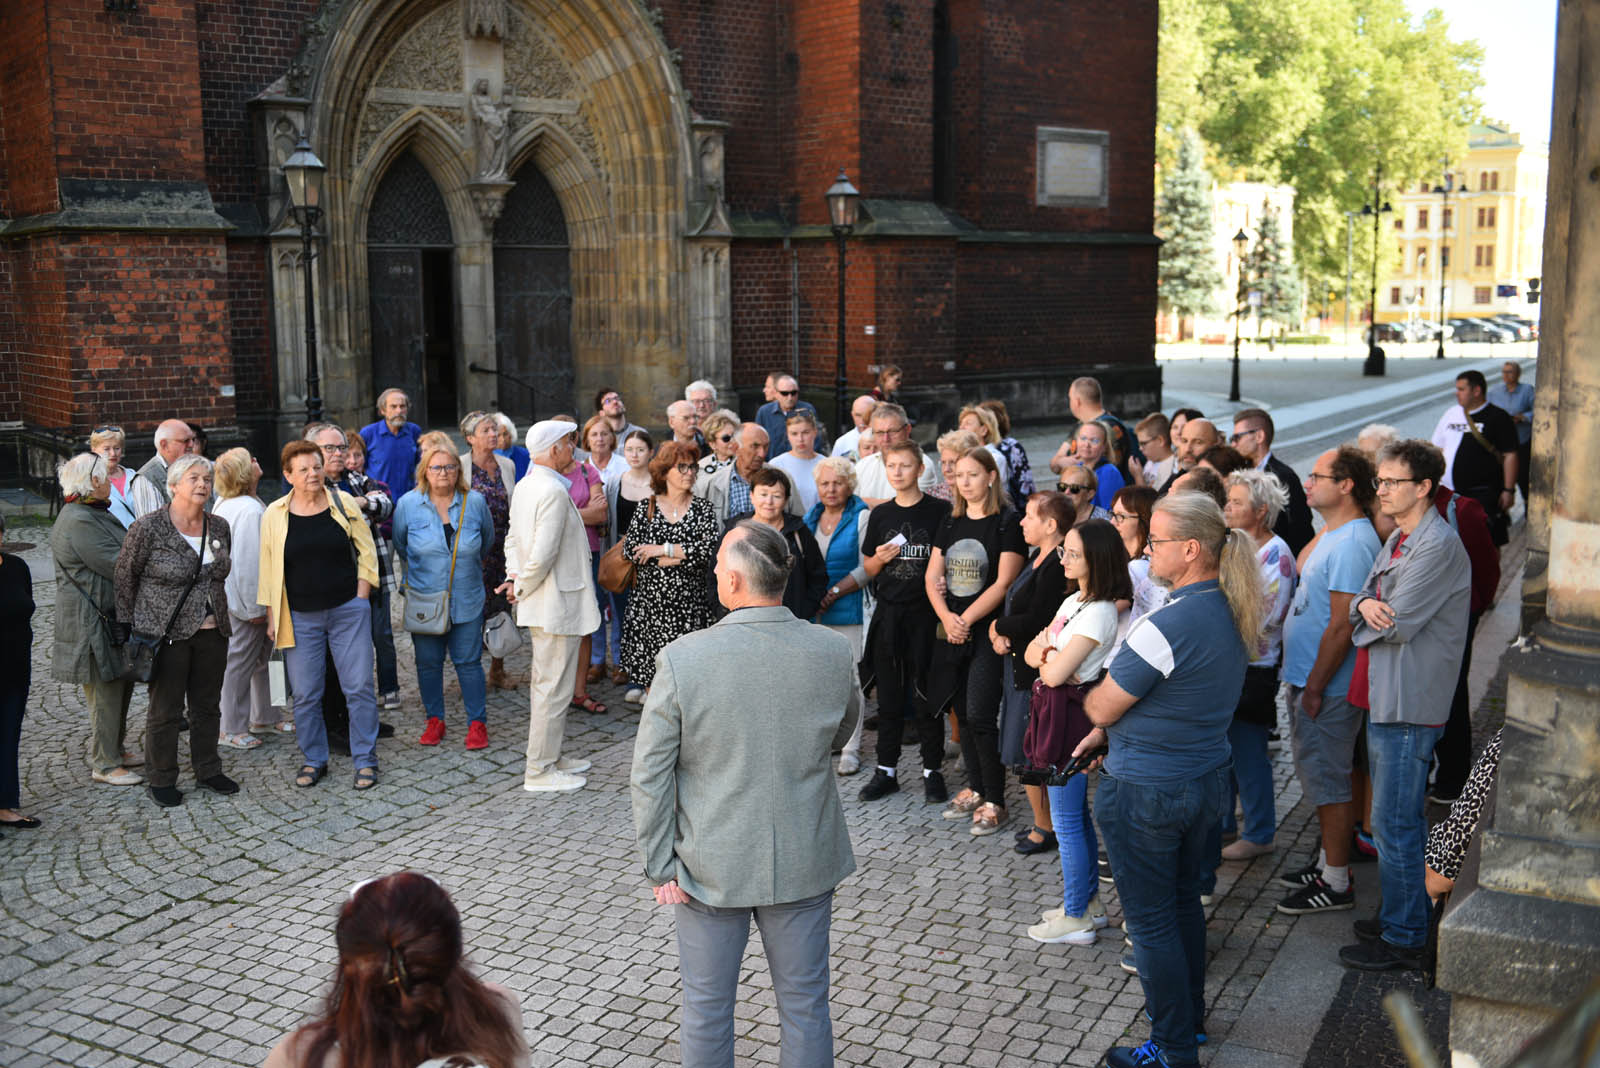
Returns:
point(270, 589)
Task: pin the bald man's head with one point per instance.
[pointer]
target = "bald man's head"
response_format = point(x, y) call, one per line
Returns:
point(1198, 436)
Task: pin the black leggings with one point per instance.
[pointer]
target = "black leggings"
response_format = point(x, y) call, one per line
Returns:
point(977, 702)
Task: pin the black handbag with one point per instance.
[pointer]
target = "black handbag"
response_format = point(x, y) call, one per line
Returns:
point(141, 651)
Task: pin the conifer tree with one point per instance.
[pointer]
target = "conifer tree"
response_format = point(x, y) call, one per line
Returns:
point(1273, 272)
point(1189, 277)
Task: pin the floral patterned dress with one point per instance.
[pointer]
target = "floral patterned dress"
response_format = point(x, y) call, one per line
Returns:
point(667, 602)
point(488, 483)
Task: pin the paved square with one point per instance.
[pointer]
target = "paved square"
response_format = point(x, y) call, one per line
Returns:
point(134, 935)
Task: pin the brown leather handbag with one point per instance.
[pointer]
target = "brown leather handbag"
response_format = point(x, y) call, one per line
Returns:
point(617, 572)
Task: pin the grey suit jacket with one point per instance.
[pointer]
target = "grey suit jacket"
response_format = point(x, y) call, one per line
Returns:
point(733, 784)
point(714, 488)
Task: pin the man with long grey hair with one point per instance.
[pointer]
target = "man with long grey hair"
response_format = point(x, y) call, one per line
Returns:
point(1165, 706)
point(734, 803)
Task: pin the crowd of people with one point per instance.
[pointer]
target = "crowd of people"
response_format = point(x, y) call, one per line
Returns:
point(1141, 616)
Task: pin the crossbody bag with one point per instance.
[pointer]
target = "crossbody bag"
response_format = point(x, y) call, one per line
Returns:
point(429, 613)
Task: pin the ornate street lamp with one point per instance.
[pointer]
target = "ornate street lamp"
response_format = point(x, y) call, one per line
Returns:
point(1444, 191)
point(1241, 245)
point(1377, 209)
point(303, 173)
point(843, 210)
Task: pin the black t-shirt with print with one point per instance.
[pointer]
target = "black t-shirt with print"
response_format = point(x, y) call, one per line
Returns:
point(901, 580)
point(1475, 469)
point(972, 549)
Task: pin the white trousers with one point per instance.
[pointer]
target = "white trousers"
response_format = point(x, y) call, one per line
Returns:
point(551, 680)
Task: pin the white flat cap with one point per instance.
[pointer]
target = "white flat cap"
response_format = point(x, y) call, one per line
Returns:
point(544, 434)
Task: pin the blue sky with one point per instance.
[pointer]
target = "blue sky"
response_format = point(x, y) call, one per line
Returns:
point(1519, 56)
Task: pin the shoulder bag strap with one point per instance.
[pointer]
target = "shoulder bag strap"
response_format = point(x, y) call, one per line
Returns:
point(450, 583)
point(200, 563)
point(107, 620)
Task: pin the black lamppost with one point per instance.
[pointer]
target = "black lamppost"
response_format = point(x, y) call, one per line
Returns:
point(1444, 215)
point(843, 209)
point(1241, 245)
point(1377, 209)
point(303, 173)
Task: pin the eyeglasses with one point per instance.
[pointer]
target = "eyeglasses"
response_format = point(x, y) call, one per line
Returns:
point(1072, 487)
point(1122, 517)
point(1068, 554)
point(610, 398)
point(685, 468)
point(336, 448)
point(1157, 541)
point(443, 469)
point(1385, 485)
point(1313, 476)
point(788, 392)
point(1241, 435)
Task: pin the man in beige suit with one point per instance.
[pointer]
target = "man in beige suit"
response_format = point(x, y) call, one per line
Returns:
point(548, 580)
point(735, 806)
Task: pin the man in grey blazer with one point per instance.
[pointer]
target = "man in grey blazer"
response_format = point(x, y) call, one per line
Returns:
point(735, 805)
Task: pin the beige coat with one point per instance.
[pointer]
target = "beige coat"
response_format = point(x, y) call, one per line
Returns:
point(733, 783)
point(547, 557)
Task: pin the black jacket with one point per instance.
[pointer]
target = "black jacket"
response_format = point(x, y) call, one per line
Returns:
point(1294, 522)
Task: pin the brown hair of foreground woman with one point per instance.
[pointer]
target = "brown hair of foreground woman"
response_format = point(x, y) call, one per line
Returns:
point(402, 993)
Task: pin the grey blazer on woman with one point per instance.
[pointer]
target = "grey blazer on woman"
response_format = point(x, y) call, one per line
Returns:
point(1412, 665)
point(733, 784)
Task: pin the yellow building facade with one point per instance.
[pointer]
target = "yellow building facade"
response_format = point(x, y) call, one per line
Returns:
point(1480, 244)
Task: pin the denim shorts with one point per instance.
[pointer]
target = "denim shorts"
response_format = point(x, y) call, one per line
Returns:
point(1324, 748)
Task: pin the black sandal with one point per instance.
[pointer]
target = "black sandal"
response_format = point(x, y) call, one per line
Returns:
point(310, 775)
point(366, 778)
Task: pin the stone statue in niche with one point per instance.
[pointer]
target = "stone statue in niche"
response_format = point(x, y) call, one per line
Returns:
point(485, 18)
point(490, 132)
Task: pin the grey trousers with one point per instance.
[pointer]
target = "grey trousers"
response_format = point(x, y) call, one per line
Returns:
point(108, 721)
point(711, 945)
point(246, 697)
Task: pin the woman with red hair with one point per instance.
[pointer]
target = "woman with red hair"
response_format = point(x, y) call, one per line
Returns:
point(402, 994)
point(673, 539)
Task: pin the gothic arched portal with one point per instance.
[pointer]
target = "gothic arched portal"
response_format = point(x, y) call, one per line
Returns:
point(533, 301)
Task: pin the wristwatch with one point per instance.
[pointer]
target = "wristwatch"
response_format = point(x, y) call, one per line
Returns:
point(834, 590)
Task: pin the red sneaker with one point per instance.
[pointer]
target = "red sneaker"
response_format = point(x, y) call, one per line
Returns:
point(477, 736)
point(433, 733)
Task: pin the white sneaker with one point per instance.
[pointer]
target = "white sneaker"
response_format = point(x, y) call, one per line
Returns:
point(635, 696)
point(849, 763)
point(1096, 914)
point(118, 777)
point(1076, 930)
point(554, 782)
point(390, 700)
point(573, 765)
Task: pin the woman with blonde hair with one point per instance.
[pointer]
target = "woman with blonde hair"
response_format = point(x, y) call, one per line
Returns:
point(1020, 484)
point(1081, 485)
point(952, 446)
point(246, 704)
point(109, 442)
point(442, 531)
point(981, 422)
point(720, 428)
point(977, 554)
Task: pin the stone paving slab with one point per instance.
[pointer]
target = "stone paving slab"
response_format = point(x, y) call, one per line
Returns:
point(132, 935)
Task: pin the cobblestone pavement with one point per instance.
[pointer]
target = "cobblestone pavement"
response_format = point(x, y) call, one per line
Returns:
point(199, 935)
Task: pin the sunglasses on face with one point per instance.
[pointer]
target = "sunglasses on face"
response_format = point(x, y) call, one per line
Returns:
point(788, 393)
point(1072, 488)
point(724, 438)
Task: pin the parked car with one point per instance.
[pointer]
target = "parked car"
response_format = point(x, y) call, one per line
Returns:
point(1525, 329)
point(1394, 332)
point(1425, 331)
point(1481, 330)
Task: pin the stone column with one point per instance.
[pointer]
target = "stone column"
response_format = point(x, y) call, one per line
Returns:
point(1522, 938)
point(1552, 307)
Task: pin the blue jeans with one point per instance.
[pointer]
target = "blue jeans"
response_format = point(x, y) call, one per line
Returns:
point(1080, 869)
point(346, 632)
point(1399, 755)
point(1156, 837)
point(383, 641)
point(464, 642)
point(618, 604)
point(1251, 783)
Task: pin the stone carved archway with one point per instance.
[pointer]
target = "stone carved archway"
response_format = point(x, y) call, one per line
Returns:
point(594, 101)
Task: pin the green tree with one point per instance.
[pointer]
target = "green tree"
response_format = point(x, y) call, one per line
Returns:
point(1317, 94)
point(1189, 276)
point(1273, 272)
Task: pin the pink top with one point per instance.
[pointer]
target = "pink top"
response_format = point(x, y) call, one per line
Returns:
point(585, 483)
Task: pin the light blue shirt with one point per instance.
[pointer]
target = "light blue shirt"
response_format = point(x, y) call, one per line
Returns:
point(1516, 402)
point(1339, 564)
point(424, 554)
